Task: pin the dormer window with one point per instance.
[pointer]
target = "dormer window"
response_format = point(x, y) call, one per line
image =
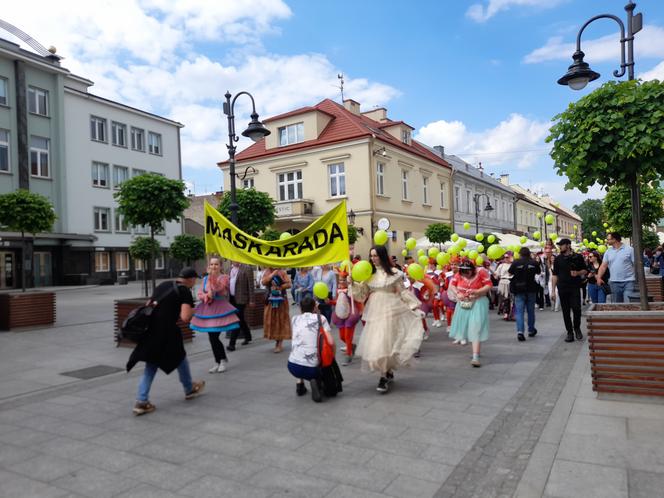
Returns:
point(291, 134)
point(405, 136)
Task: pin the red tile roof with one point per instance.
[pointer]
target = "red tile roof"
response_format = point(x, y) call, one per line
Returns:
point(344, 126)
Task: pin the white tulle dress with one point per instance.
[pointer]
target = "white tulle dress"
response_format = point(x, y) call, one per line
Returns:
point(393, 330)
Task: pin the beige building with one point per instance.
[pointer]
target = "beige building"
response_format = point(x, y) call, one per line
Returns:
point(317, 156)
point(531, 211)
point(568, 223)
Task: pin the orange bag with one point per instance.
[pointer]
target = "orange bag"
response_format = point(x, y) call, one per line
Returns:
point(325, 349)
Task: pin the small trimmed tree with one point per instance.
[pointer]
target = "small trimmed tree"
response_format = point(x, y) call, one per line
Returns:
point(144, 249)
point(438, 233)
point(24, 211)
point(617, 207)
point(614, 136)
point(352, 234)
point(187, 248)
point(255, 212)
point(151, 200)
point(270, 234)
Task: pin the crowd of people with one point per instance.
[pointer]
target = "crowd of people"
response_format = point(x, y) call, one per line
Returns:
point(392, 306)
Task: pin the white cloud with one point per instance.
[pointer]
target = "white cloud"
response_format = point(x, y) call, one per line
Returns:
point(516, 140)
point(567, 198)
point(479, 13)
point(648, 43)
point(656, 73)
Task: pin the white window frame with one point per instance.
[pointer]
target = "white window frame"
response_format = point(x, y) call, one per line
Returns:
point(135, 134)
point(5, 151)
point(122, 261)
point(98, 213)
point(98, 180)
point(137, 171)
point(102, 261)
point(443, 187)
point(405, 136)
point(116, 179)
point(119, 134)
point(248, 183)
point(119, 223)
point(288, 138)
point(380, 178)
point(404, 185)
point(4, 92)
point(336, 173)
point(141, 229)
point(98, 126)
point(425, 190)
point(283, 182)
point(37, 97)
point(159, 261)
point(457, 199)
point(154, 143)
point(43, 158)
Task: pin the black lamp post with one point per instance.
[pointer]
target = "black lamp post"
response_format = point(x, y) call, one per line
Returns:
point(488, 207)
point(255, 131)
point(577, 77)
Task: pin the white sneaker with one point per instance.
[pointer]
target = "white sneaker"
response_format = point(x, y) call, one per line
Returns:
point(343, 348)
point(457, 341)
point(464, 342)
point(426, 335)
point(222, 366)
point(214, 368)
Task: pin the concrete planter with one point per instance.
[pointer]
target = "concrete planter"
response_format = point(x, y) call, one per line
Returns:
point(26, 309)
point(627, 349)
point(124, 306)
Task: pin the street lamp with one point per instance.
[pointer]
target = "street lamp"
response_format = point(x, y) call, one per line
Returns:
point(577, 77)
point(255, 131)
point(487, 208)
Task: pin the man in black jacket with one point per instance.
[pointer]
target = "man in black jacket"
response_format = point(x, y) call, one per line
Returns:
point(569, 268)
point(524, 288)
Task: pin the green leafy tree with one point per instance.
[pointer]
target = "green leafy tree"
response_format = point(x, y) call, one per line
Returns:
point(26, 212)
point(614, 136)
point(485, 241)
point(270, 234)
point(151, 200)
point(187, 248)
point(650, 240)
point(144, 249)
point(618, 203)
point(255, 213)
point(352, 234)
point(438, 233)
point(591, 212)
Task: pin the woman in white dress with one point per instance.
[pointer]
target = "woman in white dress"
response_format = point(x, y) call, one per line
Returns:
point(393, 321)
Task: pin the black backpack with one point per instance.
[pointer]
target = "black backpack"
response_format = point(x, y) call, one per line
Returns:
point(519, 281)
point(137, 324)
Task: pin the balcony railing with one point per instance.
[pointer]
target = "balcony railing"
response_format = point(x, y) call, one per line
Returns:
point(294, 209)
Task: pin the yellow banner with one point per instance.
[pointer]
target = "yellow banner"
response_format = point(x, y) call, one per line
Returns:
point(324, 241)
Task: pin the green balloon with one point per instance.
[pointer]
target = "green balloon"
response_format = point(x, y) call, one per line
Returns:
point(462, 243)
point(423, 260)
point(491, 239)
point(284, 235)
point(443, 259)
point(454, 237)
point(420, 252)
point(523, 239)
point(433, 252)
point(479, 260)
point(404, 252)
point(415, 271)
point(380, 238)
point(321, 290)
point(473, 254)
point(480, 248)
point(537, 235)
point(362, 271)
point(549, 219)
point(495, 252)
point(479, 237)
point(411, 243)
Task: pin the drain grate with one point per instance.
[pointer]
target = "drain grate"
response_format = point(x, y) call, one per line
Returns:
point(92, 372)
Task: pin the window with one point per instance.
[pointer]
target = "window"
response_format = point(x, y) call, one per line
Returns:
point(97, 129)
point(290, 185)
point(4, 89)
point(457, 198)
point(119, 134)
point(468, 204)
point(154, 143)
point(337, 179)
point(248, 183)
point(141, 229)
point(102, 261)
point(404, 184)
point(442, 194)
point(136, 172)
point(120, 223)
point(380, 179)
point(425, 190)
point(39, 156)
point(138, 139)
point(291, 134)
point(4, 149)
point(100, 175)
point(122, 261)
point(102, 216)
point(407, 235)
point(159, 261)
point(120, 174)
point(405, 136)
point(37, 101)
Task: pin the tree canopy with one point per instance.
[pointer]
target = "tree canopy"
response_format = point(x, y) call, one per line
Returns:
point(187, 248)
point(270, 234)
point(255, 212)
point(591, 212)
point(611, 134)
point(618, 203)
point(438, 233)
point(26, 212)
point(352, 234)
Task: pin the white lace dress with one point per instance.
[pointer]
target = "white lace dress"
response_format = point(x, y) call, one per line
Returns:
point(393, 330)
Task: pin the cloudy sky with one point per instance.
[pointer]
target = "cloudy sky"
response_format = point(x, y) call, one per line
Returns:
point(476, 76)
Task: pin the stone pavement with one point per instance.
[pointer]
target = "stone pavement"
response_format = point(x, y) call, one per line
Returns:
point(520, 425)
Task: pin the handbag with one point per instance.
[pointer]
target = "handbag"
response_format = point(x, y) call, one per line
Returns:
point(466, 304)
point(325, 349)
point(137, 324)
point(606, 288)
point(342, 308)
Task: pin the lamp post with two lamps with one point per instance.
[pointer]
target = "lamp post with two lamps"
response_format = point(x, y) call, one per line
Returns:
point(487, 208)
point(255, 131)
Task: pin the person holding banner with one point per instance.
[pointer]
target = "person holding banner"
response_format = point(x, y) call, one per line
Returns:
point(393, 329)
point(276, 320)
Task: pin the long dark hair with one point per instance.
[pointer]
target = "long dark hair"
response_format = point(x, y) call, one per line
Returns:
point(385, 262)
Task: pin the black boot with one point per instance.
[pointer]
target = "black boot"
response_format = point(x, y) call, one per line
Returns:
point(315, 391)
point(300, 389)
point(570, 337)
point(579, 334)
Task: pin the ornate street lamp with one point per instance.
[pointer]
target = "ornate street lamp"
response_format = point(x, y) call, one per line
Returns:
point(487, 208)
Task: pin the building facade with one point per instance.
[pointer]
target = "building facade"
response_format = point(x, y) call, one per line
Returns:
point(317, 156)
point(73, 147)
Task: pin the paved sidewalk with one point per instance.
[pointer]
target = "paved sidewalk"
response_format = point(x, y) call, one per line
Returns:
point(520, 425)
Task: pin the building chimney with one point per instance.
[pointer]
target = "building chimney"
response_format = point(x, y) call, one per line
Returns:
point(505, 179)
point(378, 114)
point(352, 106)
point(440, 149)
